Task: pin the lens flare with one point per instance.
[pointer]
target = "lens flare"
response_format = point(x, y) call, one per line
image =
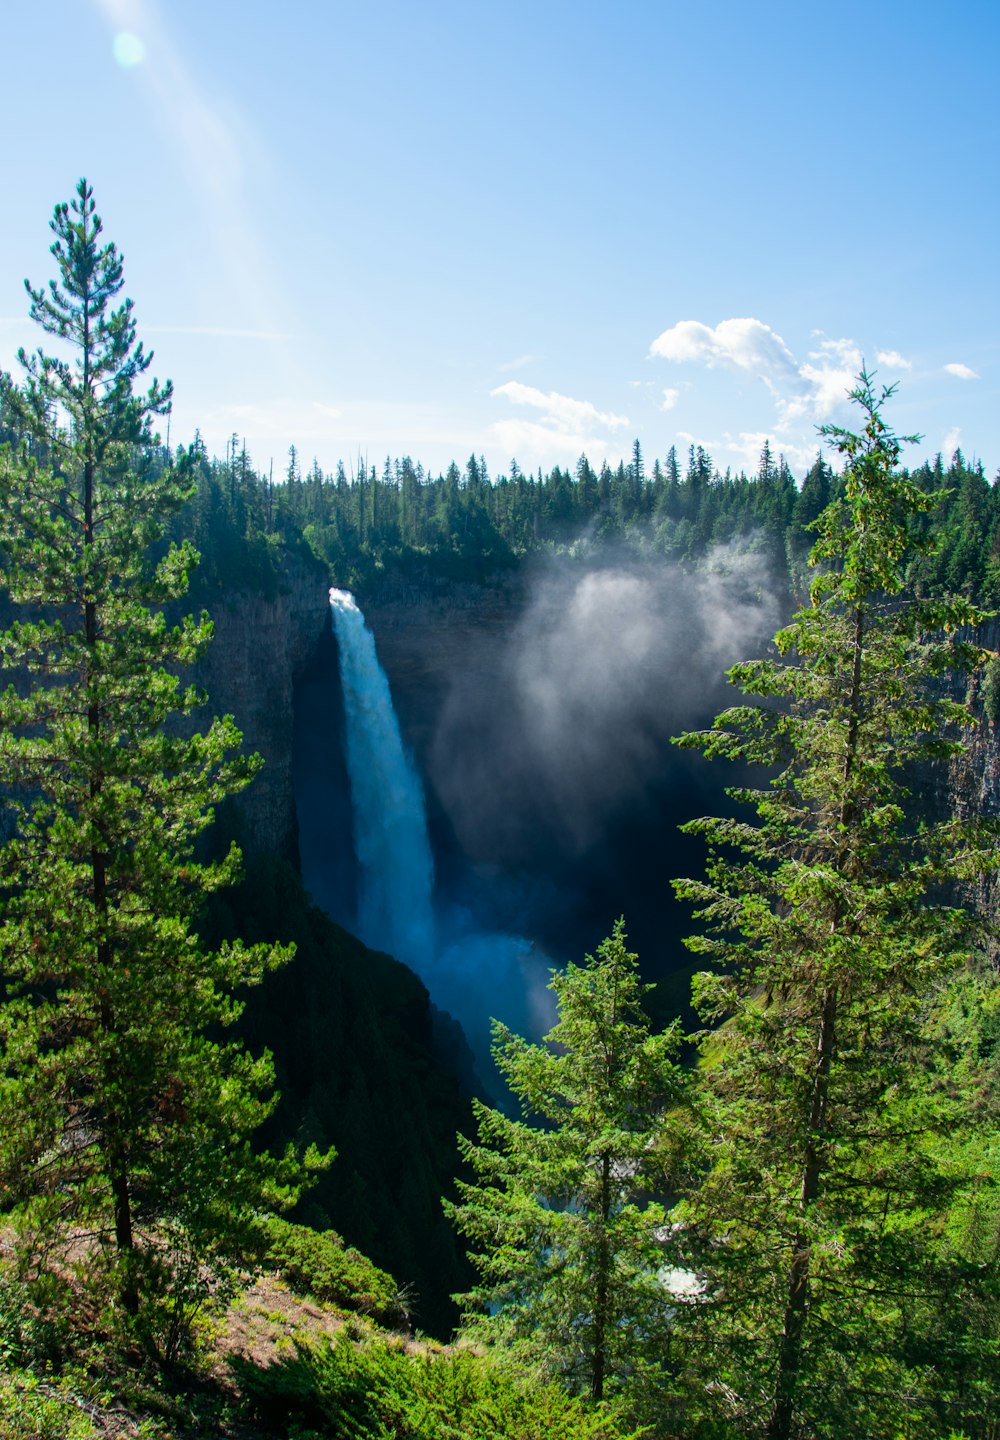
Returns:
point(128, 49)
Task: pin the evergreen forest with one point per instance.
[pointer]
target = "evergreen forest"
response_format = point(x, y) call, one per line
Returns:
point(249, 1184)
point(464, 523)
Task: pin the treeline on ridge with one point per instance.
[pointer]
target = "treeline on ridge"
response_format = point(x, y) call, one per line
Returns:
point(466, 521)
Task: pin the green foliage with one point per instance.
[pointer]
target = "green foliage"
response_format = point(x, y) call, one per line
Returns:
point(991, 689)
point(828, 1092)
point(34, 1409)
point(124, 1117)
point(568, 1244)
point(30, 1334)
point(371, 1391)
point(319, 1263)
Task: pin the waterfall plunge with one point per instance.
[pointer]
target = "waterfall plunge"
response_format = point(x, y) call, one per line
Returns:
point(473, 974)
point(390, 829)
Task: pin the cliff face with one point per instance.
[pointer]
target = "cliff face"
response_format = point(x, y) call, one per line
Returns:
point(428, 633)
point(249, 671)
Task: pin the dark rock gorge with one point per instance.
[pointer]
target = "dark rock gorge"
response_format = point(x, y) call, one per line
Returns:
point(553, 798)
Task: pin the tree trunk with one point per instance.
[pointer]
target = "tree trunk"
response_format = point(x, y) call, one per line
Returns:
point(797, 1289)
point(602, 1287)
point(118, 1171)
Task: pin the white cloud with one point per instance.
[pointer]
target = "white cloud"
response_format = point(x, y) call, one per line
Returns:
point(742, 451)
point(964, 372)
point(951, 442)
point(562, 413)
point(892, 360)
point(744, 344)
point(829, 373)
point(565, 430)
point(670, 399)
point(810, 390)
point(746, 448)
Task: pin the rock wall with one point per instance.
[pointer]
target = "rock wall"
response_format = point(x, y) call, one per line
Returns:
point(428, 632)
point(249, 671)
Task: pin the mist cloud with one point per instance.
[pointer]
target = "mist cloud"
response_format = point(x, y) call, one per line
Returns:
point(567, 722)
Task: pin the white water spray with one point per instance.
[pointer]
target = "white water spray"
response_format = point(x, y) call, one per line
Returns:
point(395, 913)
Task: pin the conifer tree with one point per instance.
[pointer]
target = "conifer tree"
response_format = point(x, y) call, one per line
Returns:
point(818, 1224)
point(124, 1128)
point(569, 1249)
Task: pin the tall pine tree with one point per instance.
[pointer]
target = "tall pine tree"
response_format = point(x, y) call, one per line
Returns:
point(818, 1222)
point(125, 1122)
point(569, 1243)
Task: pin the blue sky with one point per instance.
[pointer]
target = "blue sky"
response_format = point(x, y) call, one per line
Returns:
point(527, 230)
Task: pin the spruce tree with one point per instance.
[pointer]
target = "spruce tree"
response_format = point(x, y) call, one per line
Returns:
point(125, 1121)
point(568, 1243)
point(818, 1224)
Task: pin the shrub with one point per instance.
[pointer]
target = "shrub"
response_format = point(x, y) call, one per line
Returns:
point(366, 1392)
point(32, 1410)
point(318, 1263)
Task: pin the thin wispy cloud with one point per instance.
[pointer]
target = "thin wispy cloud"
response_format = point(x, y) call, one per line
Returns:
point(951, 442)
point(567, 427)
point(963, 372)
point(561, 411)
point(670, 399)
point(518, 363)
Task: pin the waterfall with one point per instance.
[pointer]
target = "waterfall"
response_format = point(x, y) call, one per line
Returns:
point(396, 868)
point(474, 974)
